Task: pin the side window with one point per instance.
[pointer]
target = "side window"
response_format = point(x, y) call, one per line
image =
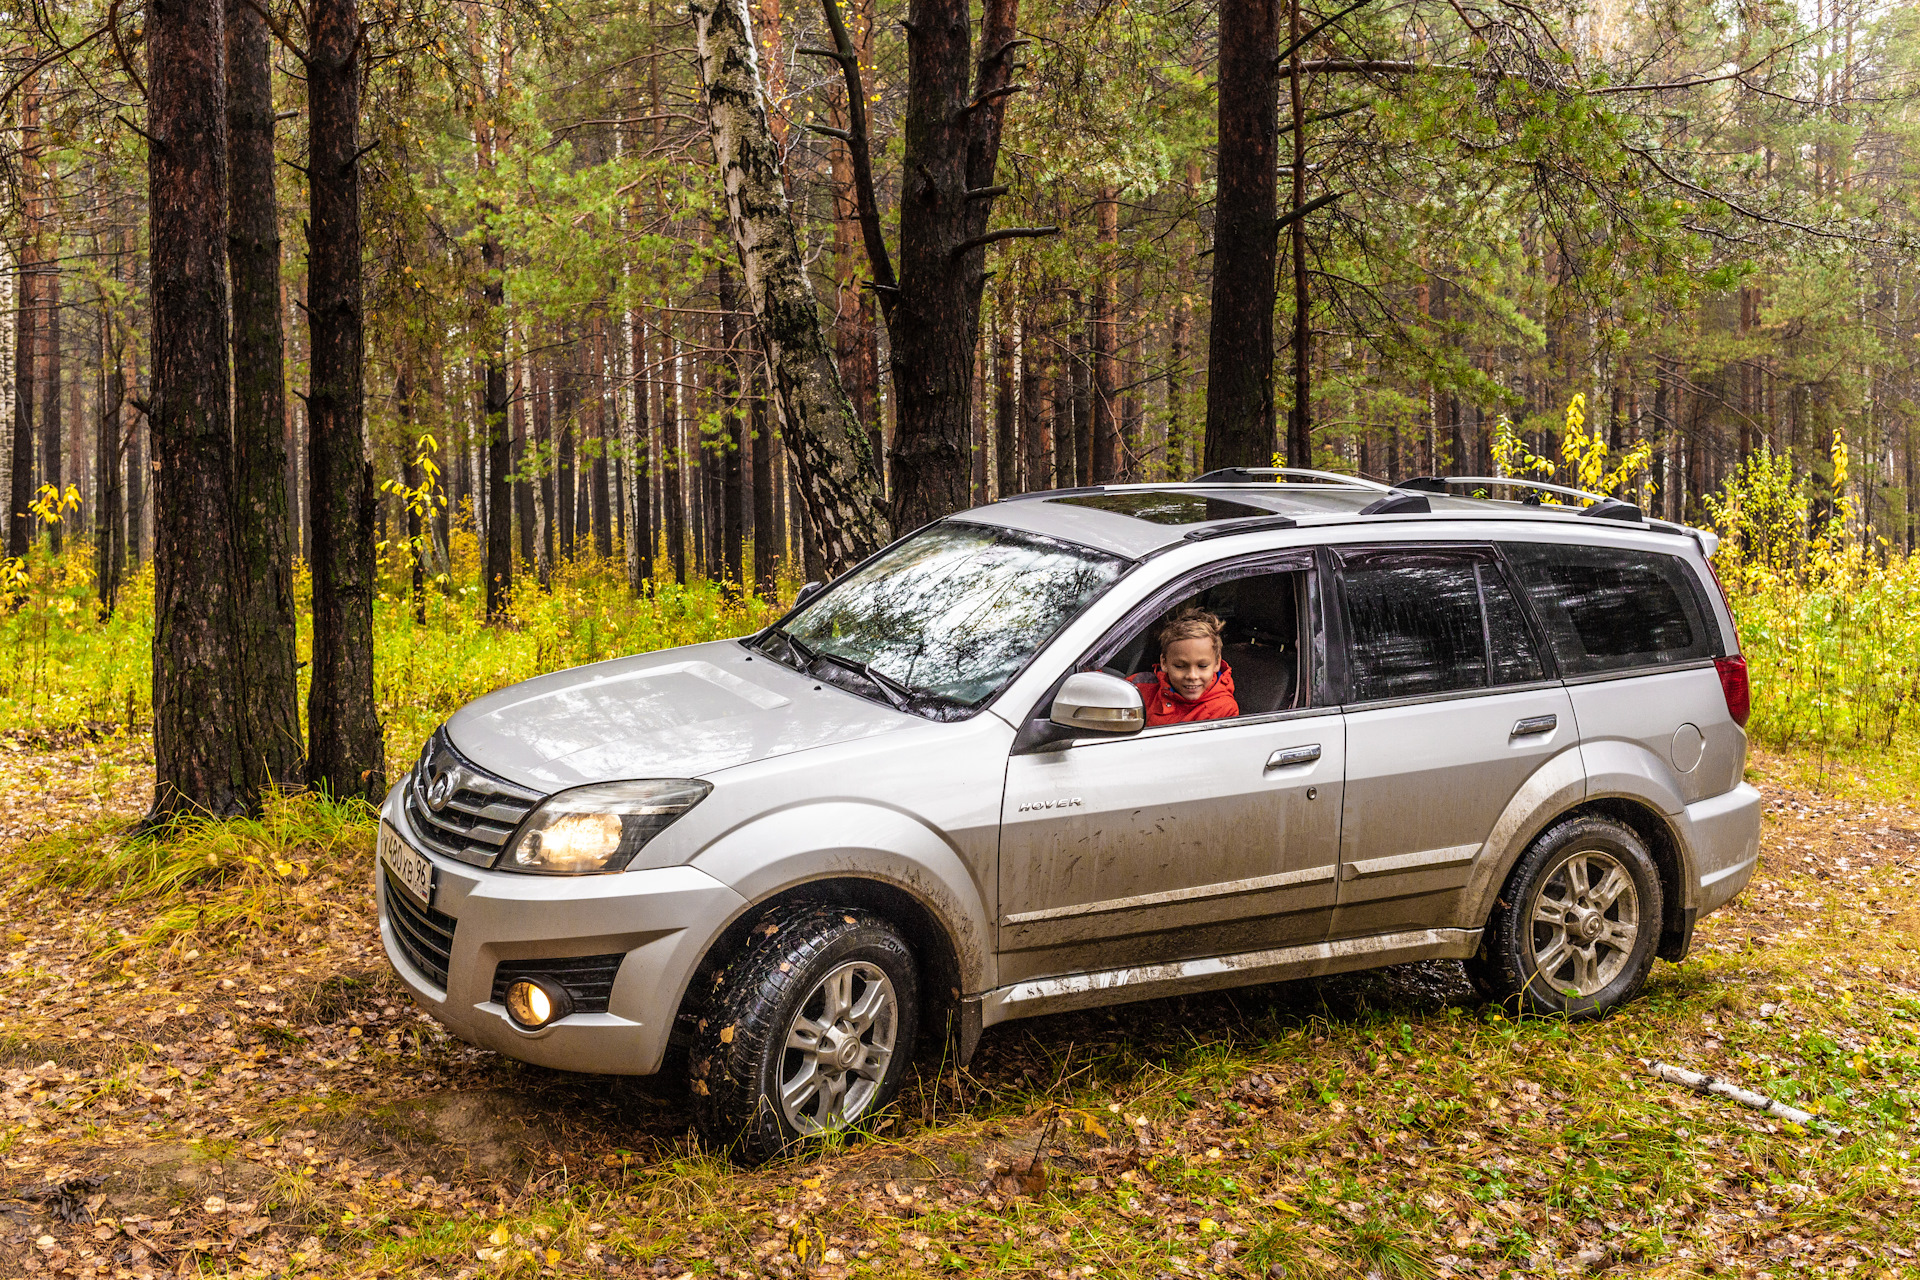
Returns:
point(1262, 616)
point(1413, 624)
point(1516, 660)
point(1608, 609)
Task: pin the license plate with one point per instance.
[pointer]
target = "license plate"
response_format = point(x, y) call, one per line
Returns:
point(411, 868)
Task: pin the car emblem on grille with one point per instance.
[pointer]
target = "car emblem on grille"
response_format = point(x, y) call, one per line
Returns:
point(439, 791)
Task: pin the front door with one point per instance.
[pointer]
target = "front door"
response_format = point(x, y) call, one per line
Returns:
point(1186, 840)
point(1449, 712)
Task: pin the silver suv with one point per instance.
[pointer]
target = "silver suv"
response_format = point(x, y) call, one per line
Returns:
point(929, 797)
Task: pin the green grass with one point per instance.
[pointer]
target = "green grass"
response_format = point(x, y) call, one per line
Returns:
point(64, 668)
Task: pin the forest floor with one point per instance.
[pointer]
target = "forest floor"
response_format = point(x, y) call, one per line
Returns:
point(224, 1078)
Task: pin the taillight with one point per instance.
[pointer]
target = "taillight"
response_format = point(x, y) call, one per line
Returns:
point(1733, 683)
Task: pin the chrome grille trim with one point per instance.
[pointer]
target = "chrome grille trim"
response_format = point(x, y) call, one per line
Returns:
point(477, 820)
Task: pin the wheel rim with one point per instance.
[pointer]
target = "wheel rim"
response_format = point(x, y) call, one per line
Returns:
point(1585, 920)
point(838, 1048)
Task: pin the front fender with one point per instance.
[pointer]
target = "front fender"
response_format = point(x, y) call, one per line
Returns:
point(825, 840)
point(1555, 787)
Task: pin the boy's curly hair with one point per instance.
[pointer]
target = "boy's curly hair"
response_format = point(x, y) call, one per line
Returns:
point(1191, 622)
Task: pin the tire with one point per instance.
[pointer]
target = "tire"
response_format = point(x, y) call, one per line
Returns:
point(756, 1091)
point(1575, 929)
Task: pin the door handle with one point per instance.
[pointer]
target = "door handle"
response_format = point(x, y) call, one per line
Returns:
point(1535, 724)
point(1287, 757)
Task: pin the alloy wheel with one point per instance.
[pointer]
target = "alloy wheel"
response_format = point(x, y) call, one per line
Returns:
point(838, 1048)
point(1583, 923)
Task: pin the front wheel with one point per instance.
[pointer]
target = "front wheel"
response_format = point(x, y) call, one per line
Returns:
point(807, 1031)
point(1576, 927)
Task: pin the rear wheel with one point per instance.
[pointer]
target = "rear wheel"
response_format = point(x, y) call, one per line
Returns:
point(807, 1031)
point(1576, 927)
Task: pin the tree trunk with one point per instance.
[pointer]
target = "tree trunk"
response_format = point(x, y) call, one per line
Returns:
point(766, 526)
point(25, 348)
point(732, 477)
point(109, 542)
point(639, 442)
point(499, 440)
point(599, 474)
point(1300, 409)
point(565, 387)
point(522, 465)
point(199, 738)
point(50, 468)
point(673, 489)
point(952, 147)
point(269, 673)
point(346, 756)
point(1033, 419)
point(1240, 422)
point(1006, 422)
point(542, 485)
point(1107, 460)
point(834, 457)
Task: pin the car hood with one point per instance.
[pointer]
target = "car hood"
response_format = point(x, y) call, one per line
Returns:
point(677, 713)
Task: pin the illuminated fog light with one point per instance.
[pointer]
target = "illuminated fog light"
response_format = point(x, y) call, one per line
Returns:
point(532, 1003)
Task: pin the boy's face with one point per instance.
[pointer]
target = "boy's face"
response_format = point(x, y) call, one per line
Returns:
point(1191, 666)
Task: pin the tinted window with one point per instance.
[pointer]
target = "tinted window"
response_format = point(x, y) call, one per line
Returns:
point(1516, 658)
point(1608, 609)
point(1414, 625)
point(946, 617)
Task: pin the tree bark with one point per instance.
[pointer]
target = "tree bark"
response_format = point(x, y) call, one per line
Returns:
point(1240, 415)
point(499, 441)
point(269, 673)
point(834, 458)
point(1300, 409)
point(346, 755)
point(109, 542)
point(599, 473)
point(952, 146)
point(766, 529)
point(25, 348)
point(50, 376)
point(733, 407)
point(199, 737)
point(1005, 401)
point(1107, 459)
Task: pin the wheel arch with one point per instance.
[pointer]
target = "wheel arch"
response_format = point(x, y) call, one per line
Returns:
point(1669, 856)
point(926, 933)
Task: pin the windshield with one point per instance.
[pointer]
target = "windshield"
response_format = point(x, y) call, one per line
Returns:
point(944, 620)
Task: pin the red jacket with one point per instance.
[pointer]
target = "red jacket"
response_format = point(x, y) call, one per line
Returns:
point(1164, 706)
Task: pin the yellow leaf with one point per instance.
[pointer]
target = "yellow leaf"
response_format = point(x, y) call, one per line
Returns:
point(500, 1235)
point(1094, 1126)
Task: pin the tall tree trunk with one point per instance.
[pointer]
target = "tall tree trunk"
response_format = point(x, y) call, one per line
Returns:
point(410, 476)
point(1006, 422)
point(1300, 409)
point(199, 738)
point(639, 442)
point(766, 530)
point(732, 477)
point(522, 465)
point(50, 468)
point(1240, 422)
point(346, 756)
point(109, 542)
point(25, 349)
point(565, 398)
point(838, 477)
point(269, 672)
point(952, 146)
point(1033, 418)
point(499, 440)
point(673, 487)
point(598, 473)
point(1107, 460)
point(1082, 392)
point(135, 427)
point(542, 486)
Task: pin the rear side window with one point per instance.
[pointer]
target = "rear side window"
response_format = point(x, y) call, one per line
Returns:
point(1608, 609)
point(1414, 624)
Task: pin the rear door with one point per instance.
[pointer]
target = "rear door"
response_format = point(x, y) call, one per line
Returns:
point(1451, 705)
point(1635, 639)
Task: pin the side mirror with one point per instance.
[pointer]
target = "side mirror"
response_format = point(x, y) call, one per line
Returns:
point(808, 592)
point(1099, 702)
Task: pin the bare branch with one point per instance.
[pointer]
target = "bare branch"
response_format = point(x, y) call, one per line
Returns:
point(1004, 233)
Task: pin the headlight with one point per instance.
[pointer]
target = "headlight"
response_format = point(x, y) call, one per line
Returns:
point(601, 827)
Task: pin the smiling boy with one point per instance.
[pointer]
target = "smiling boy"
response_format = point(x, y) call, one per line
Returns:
point(1190, 682)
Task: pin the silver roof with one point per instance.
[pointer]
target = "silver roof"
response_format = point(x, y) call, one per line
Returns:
point(1135, 520)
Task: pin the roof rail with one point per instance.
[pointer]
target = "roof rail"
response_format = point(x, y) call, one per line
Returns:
point(1253, 475)
point(1603, 508)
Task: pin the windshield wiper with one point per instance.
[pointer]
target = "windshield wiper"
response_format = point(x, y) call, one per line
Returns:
point(794, 646)
point(898, 694)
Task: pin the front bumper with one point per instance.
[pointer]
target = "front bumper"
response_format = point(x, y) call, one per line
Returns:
point(660, 919)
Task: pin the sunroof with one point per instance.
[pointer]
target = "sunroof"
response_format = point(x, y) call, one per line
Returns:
point(1165, 507)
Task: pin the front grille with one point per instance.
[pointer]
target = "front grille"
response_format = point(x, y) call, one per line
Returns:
point(425, 935)
point(480, 812)
point(588, 979)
